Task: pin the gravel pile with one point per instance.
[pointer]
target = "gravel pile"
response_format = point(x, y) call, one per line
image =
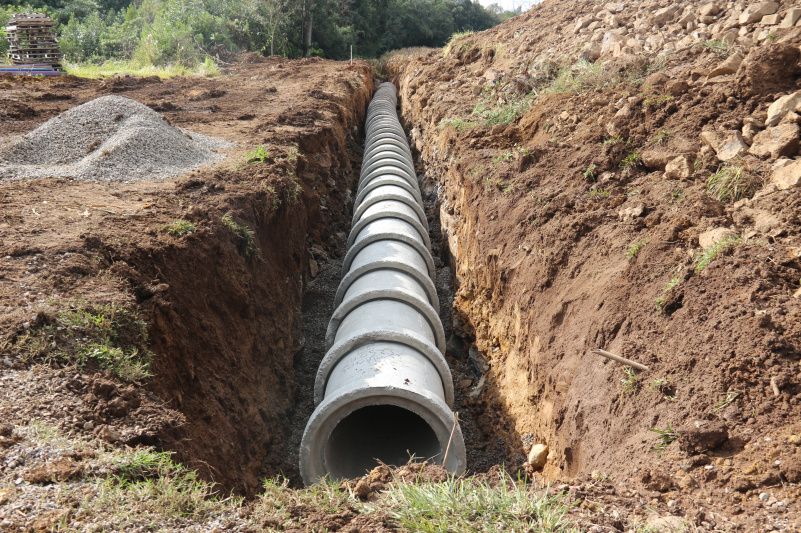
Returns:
point(111, 138)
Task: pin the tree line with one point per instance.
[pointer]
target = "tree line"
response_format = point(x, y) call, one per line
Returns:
point(187, 32)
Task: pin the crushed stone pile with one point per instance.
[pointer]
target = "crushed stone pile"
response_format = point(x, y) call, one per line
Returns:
point(111, 138)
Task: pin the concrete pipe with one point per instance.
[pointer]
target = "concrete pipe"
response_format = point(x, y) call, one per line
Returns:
point(383, 391)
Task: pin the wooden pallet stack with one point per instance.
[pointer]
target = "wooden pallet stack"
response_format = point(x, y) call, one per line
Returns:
point(32, 40)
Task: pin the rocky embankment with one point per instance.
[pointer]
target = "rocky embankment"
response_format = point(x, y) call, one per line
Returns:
point(625, 176)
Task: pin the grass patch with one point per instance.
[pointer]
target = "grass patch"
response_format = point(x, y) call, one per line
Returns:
point(131, 68)
point(666, 436)
point(469, 504)
point(630, 382)
point(613, 140)
point(634, 250)
point(656, 100)
point(661, 300)
point(456, 43)
point(590, 173)
point(712, 253)
point(731, 183)
point(600, 194)
point(150, 486)
point(459, 124)
point(718, 47)
point(503, 114)
point(103, 337)
point(246, 237)
point(258, 155)
point(662, 137)
point(579, 77)
point(179, 228)
point(631, 161)
point(280, 502)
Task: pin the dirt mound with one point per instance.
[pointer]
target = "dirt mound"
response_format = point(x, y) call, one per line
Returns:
point(112, 138)
point(624, 176)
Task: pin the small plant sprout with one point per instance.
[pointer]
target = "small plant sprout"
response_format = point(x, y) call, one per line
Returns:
point(727, 400)
point(666, 436)
point(634, 250)
point(718, 47)
point(179, 228)
point(457, 123)
point(589, 173)
point(711, 253)
point(245, 235)
point(663, 296)
point(662, 137)
point(600, 194)
point(657, 100)
point(631, 161)
point(258, 155)
point(630, 382)
point(664, 387)
point(613, 140)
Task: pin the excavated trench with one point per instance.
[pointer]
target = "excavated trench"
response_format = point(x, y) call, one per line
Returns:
point(239, 347)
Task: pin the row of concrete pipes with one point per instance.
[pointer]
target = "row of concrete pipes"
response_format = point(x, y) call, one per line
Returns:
point(383, 391)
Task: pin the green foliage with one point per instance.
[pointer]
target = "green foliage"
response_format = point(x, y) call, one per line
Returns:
point(470, 504)
point(731, 183)
point(459, 124)
point(666, 435)
point(661, 300)
point(258, 155)
point(630, 383)
point(711, 253)
point(179, 228)
point(579, 77)
point(456, 42)
point(104, 337)
point(634, 250)
point(662, 137)
point(664, 387)
point(613, 140)
point(589, 173)
point(246, 237)
point(505, 113)
point(718, 47)
point(657, 100)
point(600, 194)
point(631, 161)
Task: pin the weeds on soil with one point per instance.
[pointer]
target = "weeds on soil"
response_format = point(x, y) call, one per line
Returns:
point(666, 435)
point(726, 401)
point(630, 382)
point(634, 250)
point(179, 228)
point(104, 337)
point(258, 155)
point(714, 251)
point(661, 300)
point(246, 237)
point(731, 183)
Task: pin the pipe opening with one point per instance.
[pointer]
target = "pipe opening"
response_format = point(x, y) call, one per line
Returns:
point(385, 433)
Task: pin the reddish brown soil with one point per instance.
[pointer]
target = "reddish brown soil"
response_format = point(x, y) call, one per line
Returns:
point(544, 278)
point(223, 327)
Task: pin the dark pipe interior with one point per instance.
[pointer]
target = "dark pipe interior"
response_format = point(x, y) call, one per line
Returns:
point(385, 433)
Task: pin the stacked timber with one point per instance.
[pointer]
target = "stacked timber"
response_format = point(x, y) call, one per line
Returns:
point(32, 40)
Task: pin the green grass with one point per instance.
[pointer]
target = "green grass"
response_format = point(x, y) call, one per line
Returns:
point(631, 161)
point(579, 77)
point(663, 387)
point(662, 137)
point(630, 382)
point(246, 237)
point(149, 486)
point(589, 173)
point(613, 140)
point(101, 337)
point(600, 194)
point(457, 123)
point(666, 436)
point(180, 228)
point(656, 100)
point(714, 251)
point(132, 68)
point(634, 249)
point(469, 504)
point(718, 47)
point(661, 300)
point(731, 183)
point(258, 155)
point(503, 114)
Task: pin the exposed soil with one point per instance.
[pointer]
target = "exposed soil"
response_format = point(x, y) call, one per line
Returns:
point(540, 252)
point(223, 314)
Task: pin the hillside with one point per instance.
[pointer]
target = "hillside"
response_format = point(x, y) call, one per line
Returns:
point(618, 176)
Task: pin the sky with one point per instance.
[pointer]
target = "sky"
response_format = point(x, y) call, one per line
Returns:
point(510, 4)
